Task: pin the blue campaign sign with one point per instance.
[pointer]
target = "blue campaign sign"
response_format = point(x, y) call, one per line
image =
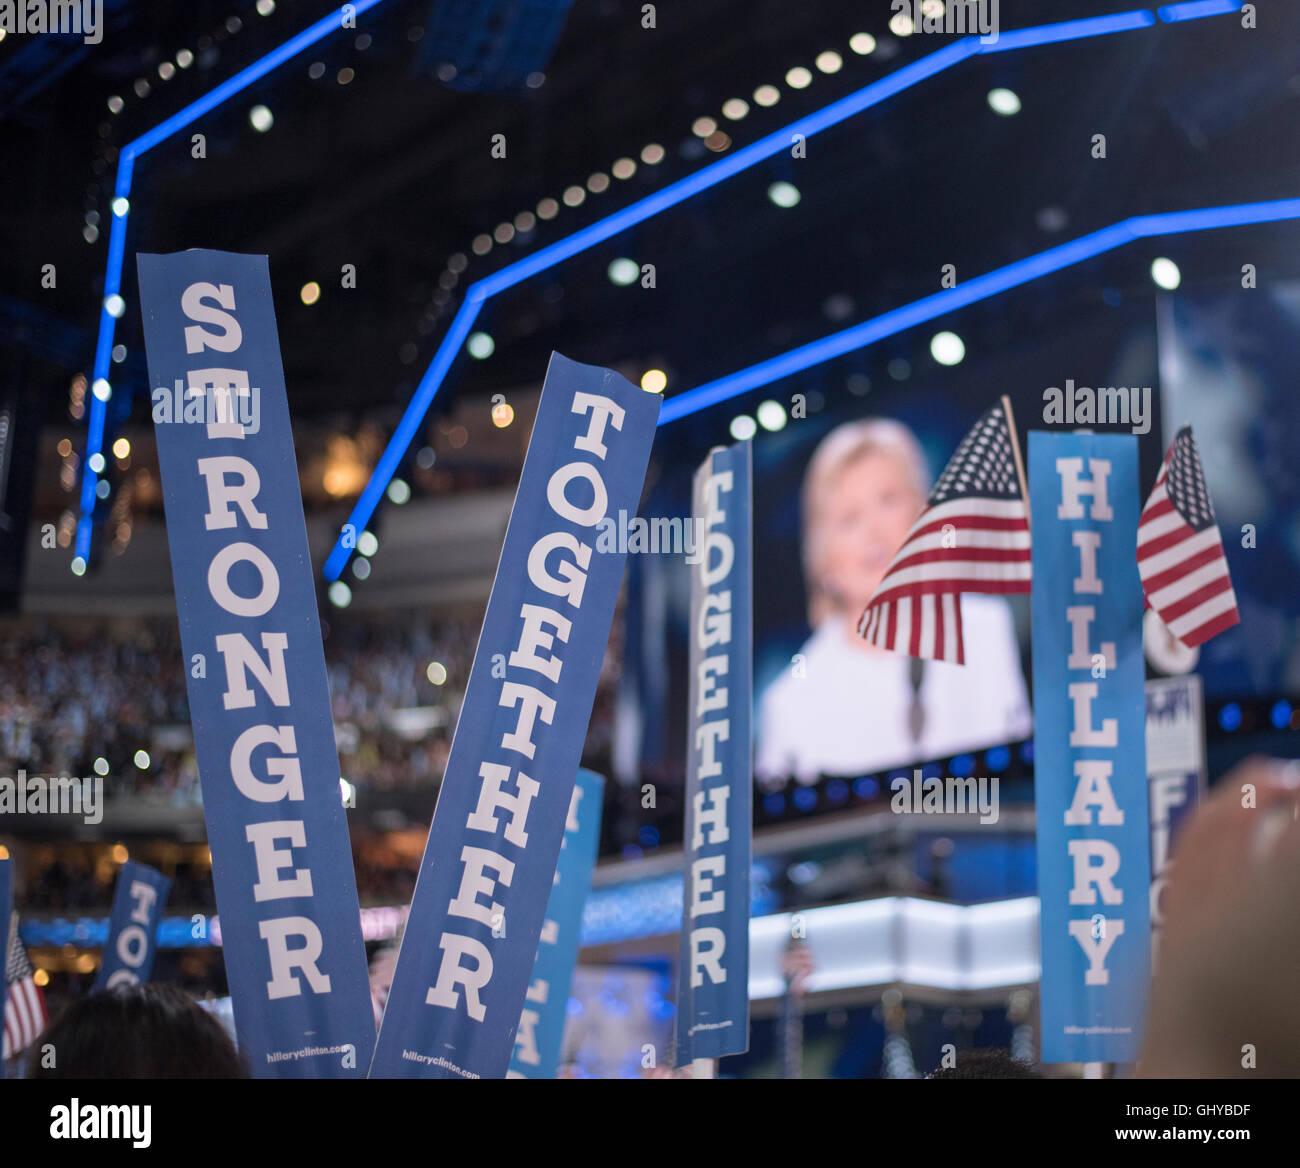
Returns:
point(713, 972)
point(255, 667)
point(138, 902)
point(541, 1023)
point(480, 900)
point(1175, 773)
point(1090, 785)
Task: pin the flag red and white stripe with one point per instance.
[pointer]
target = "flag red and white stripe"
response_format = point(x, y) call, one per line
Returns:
point(973, 536)
point(1180, 553)
point(24, 1012)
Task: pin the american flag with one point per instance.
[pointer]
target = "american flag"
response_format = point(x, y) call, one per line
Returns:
point(25, 1015)
point(1180, 553)
point(973, 536)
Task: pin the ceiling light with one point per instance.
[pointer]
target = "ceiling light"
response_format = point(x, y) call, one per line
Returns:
point(784, 194)
point(623, 271)
point(1166, 274)
point(947, 348)
point(743, 428)
point(771, 415)
point(1004, 101)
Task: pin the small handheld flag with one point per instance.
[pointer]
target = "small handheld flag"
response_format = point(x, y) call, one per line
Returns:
point(973, 536)
point(1180, 552)
point(24, 1006)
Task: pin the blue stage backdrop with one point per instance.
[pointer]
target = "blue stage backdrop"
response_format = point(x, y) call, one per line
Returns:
point(541, 1025)
point(255, 668)
point(1090, 783)
point(138, 902)
point(480, 899)
point(713, 972)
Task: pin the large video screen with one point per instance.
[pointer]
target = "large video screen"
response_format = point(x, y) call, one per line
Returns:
point(835, 494)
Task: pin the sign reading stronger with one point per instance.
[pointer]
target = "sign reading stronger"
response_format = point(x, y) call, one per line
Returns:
point(255, 669)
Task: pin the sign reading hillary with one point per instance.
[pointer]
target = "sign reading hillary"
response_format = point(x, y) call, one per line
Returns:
point(480, 900)
point(255, 669)
point(1090, 782)
point(138, 902)
point(541, 1024)
point(713, 971)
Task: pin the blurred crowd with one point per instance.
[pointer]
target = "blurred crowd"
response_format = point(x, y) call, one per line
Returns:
point(70, 698)
point(110, 699)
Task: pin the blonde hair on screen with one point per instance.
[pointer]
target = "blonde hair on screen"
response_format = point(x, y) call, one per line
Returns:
point(842, 447)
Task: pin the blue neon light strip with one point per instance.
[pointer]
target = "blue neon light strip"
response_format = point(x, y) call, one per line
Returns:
point(563, 249)
point(981, 288)
point(670, 196)
point(1196, 10)
point(402, 437)
point(848, 340)
point(676, 193)
point(117, 233)
point(1068, 30)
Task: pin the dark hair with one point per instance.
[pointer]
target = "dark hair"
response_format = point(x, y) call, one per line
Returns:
point(986, 1063)
point(150, 1031)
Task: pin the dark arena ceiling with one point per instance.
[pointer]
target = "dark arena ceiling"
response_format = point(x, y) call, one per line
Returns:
point(383, 159)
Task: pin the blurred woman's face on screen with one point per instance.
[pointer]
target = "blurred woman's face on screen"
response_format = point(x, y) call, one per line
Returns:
point(870, 506)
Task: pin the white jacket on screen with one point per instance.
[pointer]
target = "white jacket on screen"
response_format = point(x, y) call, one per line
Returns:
point(849, 713)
